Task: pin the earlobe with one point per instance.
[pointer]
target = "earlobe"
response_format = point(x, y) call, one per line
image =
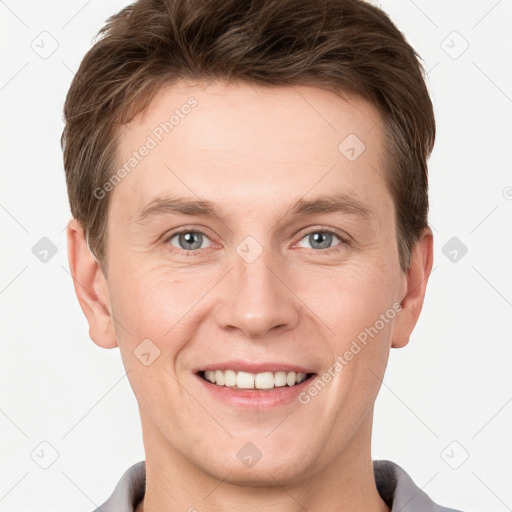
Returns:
point(417, 277)
point(90, 287)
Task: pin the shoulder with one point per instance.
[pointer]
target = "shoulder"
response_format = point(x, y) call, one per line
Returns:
point(128, 492)
point(400, 492)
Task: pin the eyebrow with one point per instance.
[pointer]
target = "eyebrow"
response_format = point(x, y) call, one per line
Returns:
point(343, 202)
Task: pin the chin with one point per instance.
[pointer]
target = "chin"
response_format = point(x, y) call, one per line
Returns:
point(267, 472)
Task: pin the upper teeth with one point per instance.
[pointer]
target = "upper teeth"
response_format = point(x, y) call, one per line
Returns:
point(245, 380)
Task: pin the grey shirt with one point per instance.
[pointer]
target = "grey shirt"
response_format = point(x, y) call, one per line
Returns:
point(395, 487)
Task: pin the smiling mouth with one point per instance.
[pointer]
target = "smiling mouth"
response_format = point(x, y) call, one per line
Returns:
point(249, 381)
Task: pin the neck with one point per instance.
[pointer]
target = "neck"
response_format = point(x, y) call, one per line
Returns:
point(173, 482)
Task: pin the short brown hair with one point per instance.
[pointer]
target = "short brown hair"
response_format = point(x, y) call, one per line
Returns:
point(339, 45)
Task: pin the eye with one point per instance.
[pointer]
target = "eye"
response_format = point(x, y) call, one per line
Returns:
point(188, 240)
point(321, 239)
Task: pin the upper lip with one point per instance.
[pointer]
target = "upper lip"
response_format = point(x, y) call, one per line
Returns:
point(252, 367)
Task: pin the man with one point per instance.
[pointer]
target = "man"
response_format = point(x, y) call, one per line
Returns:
point(248, 184)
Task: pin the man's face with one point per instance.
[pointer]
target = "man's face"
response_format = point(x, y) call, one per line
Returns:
point(260, 284)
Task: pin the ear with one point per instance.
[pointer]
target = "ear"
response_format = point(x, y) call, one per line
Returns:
point(416, 279)
point(90, 287)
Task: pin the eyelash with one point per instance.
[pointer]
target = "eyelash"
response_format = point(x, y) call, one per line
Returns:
point(195, 252)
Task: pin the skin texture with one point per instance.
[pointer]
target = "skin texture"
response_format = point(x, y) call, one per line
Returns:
point(253, 151)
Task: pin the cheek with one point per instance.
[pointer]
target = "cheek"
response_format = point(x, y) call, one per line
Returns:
point(151, 302)
point(149, 311)
point(350, 300)
point(359, 306)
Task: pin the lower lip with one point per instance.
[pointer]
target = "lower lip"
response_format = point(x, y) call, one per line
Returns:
point(259, 398)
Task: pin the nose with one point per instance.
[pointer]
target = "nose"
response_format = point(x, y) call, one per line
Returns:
point(260, 297)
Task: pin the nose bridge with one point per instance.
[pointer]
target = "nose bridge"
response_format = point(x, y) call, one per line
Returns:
point(258, 299)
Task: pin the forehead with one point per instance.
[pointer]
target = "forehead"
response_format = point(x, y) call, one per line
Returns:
point(250, 144)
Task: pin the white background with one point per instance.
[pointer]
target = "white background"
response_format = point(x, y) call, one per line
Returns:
point(453, 381)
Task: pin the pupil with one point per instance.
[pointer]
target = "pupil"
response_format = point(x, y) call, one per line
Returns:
point(190, 239)
point(317, 237)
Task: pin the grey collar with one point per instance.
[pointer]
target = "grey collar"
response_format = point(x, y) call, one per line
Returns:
point(394, 485)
